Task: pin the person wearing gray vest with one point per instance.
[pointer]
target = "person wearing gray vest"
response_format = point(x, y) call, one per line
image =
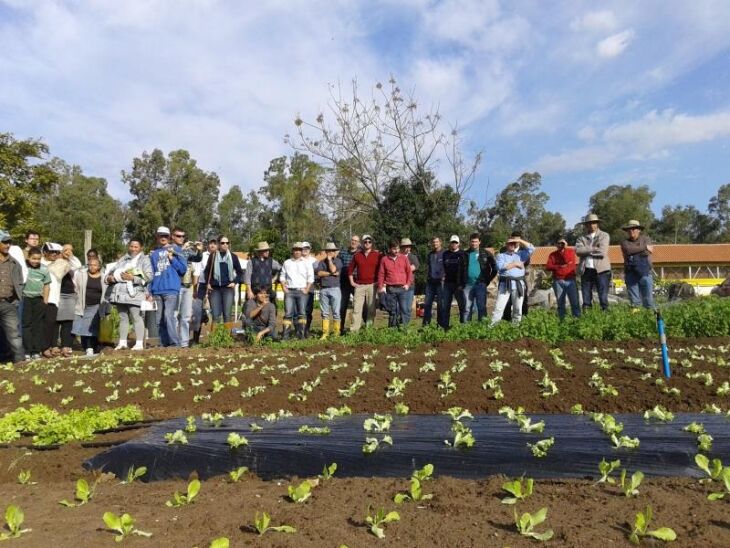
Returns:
point(595, 266)
point(328, 272)
point(262, 271)
point(637, 249)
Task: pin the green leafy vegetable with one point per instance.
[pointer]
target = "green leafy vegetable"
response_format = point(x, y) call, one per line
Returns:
point(122, 525)
point(527, 522)
point(261, 524)
point(178, 499)
point(379, 519)
point(641, 529)
point(520, 489)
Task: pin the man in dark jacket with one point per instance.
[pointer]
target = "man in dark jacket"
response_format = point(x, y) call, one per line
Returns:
point(481, 269)
point(11, 292)
point(434, 281)
point(637, 249)
point(454, 281)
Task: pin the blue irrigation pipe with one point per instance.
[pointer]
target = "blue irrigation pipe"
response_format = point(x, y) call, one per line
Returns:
point(663, 341)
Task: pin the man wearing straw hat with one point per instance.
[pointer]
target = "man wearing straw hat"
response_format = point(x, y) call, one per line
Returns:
point(261, 272)
point(594, 266)
point(637, 249)
point(328, 271)
point(297, 279)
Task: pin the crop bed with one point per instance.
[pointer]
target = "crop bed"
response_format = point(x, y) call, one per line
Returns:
point(481, 376)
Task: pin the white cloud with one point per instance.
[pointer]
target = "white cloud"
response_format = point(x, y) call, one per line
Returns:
point(595, 21)
point(615, 44)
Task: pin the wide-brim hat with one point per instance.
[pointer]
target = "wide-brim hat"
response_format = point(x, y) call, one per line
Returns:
point(330, 247)
point(591, 218)
point(163, 230)
point(297, 245)
point(52, 247)
point(262, 246)
point(633, 223)
point(405, 242)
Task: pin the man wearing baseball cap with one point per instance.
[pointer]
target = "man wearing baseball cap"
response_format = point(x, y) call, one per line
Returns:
point(362, 272)
point(637, 249)
point(594, 266)
point(11, 292)
point(406, 247)
point(168, 267)
point(454, 281)
point(562, 264)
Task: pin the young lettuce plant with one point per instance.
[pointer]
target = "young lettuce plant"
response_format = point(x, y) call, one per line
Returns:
point(372, 444)
point(261, 524)
point(527, 522)
point(463, 436)
point(122, 525)
point(606, 468)
point(303, 491)
point(518, 490)
point(641, 529)
point(235, 475)
point(14, 518)
point(328, 471)
point(236, 440)
point(725, 476)
point(83, 493)
point(540, 449)
point(713, 469)
point(178, 499)
point(134, 474)
point(220, 542)
point(415, 491)
point(631, 487)
point(379, 519)
point(24, 478)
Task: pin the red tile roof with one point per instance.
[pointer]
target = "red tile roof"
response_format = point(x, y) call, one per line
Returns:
point(664, 254)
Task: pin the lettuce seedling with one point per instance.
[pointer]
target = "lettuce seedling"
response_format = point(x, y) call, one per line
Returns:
point(123, 525)
point(445, 384)
point(178, 499)
point(333, 412)
point(134, 474)
point(329, 471)
point(379, 519)
point(660, 413)
point(631, 488)
point(458, 413)
point(725, 476)
point(577, 409)
point(624, 441)
point(303, 491)
point(190, 425)
point(24, 478)
point(401, 408)
point(372, 444)
point(641, 529)
point(606, 468)
point(540, 449)
point(261, 524)
point(314, 430)
point(176, 437)
point(703, 463)
point(220, 542)
point(14, 518)
point(463, 436)
point(236, 440)
point(415, 492)
point(518, 490)
point(378, 423)
point(83, 493)
point(235, 475)
point(396, 387)
point(527, 523)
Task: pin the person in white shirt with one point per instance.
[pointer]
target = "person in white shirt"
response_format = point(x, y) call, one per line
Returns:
point(199, 286)
point(297, 279)
point(307, 255)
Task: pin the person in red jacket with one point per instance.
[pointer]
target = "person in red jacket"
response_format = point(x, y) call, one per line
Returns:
point(362, 272)
point(562, 263)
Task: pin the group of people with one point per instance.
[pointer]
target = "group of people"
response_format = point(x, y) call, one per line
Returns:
point(48, 297)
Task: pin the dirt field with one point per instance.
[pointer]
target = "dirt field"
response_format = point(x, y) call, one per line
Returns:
point(461, 513)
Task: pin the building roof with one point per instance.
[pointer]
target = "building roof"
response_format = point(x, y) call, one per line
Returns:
point(664, 254)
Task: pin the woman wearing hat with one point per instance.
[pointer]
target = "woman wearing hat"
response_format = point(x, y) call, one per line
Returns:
point(595, 266)
point(637, 249)
point(511, 269)
point(328, 272)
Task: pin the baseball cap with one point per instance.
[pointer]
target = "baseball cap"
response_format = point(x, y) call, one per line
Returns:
point(306, 244)
point(367, 237)
point(163, 230)
point(52, 247)
point(4, 236)
point(454, 238)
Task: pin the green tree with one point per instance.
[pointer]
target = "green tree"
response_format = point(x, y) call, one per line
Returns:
point(76, 203)
point(519, 206)
point(719, 211)
point(23, 181)
point(171, 191)
point(241, 219)
point(683, 225)
point(616, 205)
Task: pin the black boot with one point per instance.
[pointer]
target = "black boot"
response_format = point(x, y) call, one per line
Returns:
point(285, 333)
point(301, 328)
point(196, 337)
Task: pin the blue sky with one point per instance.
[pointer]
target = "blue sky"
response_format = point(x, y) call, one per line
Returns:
point(589, 94)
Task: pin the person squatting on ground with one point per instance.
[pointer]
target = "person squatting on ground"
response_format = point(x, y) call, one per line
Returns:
point(454, 263)
point(561, 264)
point(395, 278)
point(328, 271)
point(362, 272)
point(594, 266)
point(259, 315)
point(480, 271)
point(511, 279)
point(637, 249)
point(297, 279)
point(168, 266)
point(127, 282)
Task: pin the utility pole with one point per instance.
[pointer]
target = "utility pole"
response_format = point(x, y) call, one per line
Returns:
point(87, 241)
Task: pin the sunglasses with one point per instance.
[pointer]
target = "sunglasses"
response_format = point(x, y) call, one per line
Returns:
point(367, 241)
point(225, 243)
point(179, 235)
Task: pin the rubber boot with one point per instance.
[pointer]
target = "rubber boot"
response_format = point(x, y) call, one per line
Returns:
point(301, 328)
point(196, 337)
point(325, 329)
point(286, 331)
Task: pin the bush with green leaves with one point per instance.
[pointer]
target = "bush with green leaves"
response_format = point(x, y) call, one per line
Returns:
point(220, 337)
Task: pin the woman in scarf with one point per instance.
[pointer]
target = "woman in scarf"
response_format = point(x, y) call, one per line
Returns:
point(222, 274)
point(90, 294)
point(128, 280)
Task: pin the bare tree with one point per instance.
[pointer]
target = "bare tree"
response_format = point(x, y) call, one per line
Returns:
point(375, 141)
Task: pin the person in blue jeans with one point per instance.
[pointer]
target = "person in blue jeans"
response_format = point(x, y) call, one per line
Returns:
point(562, 264)
point(405, 248)
point(297, 280)
point(168, 267)
point(637, 249)
point(434, 281)
point(481, 269)
point(454, 260)
point(223, 272)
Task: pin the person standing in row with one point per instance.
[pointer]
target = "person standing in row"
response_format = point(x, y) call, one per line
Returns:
point(200, 290)
point(434, 282)
point(362, 272)
point(405, 248)
point(32, 240)
point(394, 280)
point(328, 272)
point(193, 254)
point(454, 260)
point(562, 264)
point(67, 302)
point(35, 297)
point(637, 249)
point(11, 293)
point(168, 266)
point(131, 274)
point(511, 279)
point(307, 255)
point(297, 279)
point(595, 265)
point(223, 273)
point(90, 294)
point(262, 271)
point(346, 289)
point(480, 271)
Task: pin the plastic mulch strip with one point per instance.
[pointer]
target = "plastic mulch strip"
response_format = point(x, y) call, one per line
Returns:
point(279, 450)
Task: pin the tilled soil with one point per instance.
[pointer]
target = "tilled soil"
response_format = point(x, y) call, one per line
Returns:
point(462, 512)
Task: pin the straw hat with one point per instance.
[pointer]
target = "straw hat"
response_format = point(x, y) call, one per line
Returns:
point(297, 245)
point(262, 246)
point(330, 247)
point(591, 218)
point(633, 223)
point(405, 242)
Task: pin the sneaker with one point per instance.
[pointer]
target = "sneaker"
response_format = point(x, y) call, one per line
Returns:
point(35, 357)
point(138, 346)
point(28, 357)
point(90, 352)
point(121, 346)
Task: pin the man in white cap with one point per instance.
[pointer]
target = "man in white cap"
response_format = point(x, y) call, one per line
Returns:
point(312, 260)
point(11, 292)
point(168, 267)
point(637, 249)
point(512, 285)
point(595, 266)
point(454, 281)
point(328, 272)
point(297, 280)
